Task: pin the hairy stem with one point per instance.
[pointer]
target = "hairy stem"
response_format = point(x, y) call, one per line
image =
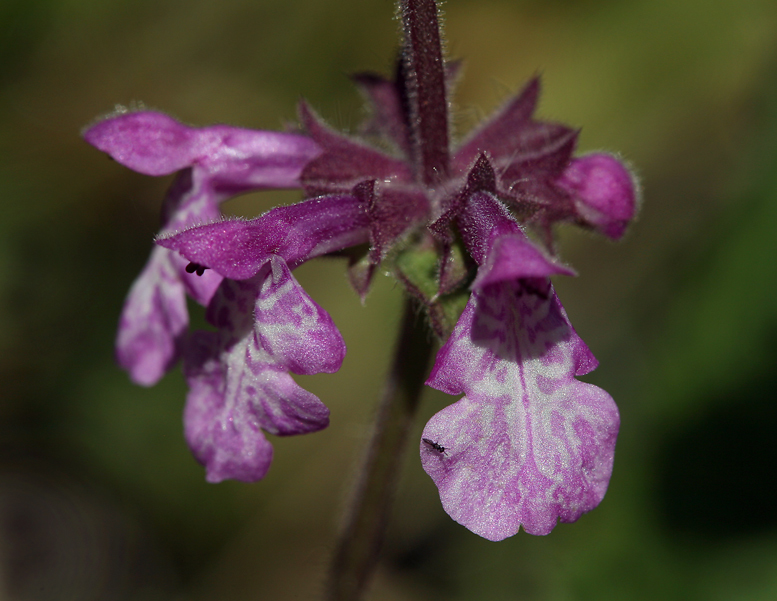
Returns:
point(359, 544)
point(425, 88)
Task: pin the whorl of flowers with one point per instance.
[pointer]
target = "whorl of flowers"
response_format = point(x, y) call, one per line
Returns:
point(468, 231)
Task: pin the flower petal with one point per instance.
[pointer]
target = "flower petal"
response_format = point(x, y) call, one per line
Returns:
point(293, 329)
point(153, 321)
point(237, 159)
point(528, 444)
point(513, 256)
point(146, 142)
point(238, 386)
point(154, 318)
point(238, 249)
point(604, 190)
point(222, 434)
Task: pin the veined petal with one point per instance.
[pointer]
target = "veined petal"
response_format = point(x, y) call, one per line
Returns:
point(236, 159)
point(604, 191)
point(528, 444)
point(214, 163)
point(238, 249)
point(239, 377)
point(153, 320)
point(222, 434)
point(293, 329)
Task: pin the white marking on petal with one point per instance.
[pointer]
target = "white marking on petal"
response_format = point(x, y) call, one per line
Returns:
point(531, 443)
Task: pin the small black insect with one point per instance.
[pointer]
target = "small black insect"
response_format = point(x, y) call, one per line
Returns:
point(195, 267)
point(435, 446)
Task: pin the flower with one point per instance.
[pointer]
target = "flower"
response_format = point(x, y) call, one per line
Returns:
point(267, 326)
point(214, 164)
point(527, 444)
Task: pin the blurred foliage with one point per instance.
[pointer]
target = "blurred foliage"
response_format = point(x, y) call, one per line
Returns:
point(99, 497)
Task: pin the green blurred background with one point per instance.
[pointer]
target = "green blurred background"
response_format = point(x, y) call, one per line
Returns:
point(99, 496)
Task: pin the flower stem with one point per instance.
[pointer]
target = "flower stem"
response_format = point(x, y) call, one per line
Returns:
point(425, 85)
point(360, 540)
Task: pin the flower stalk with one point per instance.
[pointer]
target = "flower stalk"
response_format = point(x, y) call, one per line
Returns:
point(360, 540)
point(422, 73)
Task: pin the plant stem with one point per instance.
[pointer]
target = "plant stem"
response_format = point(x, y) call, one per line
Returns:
point(425, 85)
point(360, 540)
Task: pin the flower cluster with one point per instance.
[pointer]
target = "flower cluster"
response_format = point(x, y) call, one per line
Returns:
point(527, 444)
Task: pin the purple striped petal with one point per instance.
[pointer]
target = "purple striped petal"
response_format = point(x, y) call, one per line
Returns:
point(214, 163)
point(294, 330)
point(238, 377)
point(154, 318)
point(528, 444)
point(153, 321)
point(222, 434)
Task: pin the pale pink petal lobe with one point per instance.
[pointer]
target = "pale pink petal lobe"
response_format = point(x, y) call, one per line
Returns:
point(238, 377)
point(153, 320)
point(293, 329)
point(528, 445)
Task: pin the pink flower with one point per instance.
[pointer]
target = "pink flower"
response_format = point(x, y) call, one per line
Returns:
point(214, 164)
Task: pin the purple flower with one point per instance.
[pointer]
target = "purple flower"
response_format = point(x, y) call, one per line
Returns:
point(215, 163)
point(267, 326)
point(527, 444)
